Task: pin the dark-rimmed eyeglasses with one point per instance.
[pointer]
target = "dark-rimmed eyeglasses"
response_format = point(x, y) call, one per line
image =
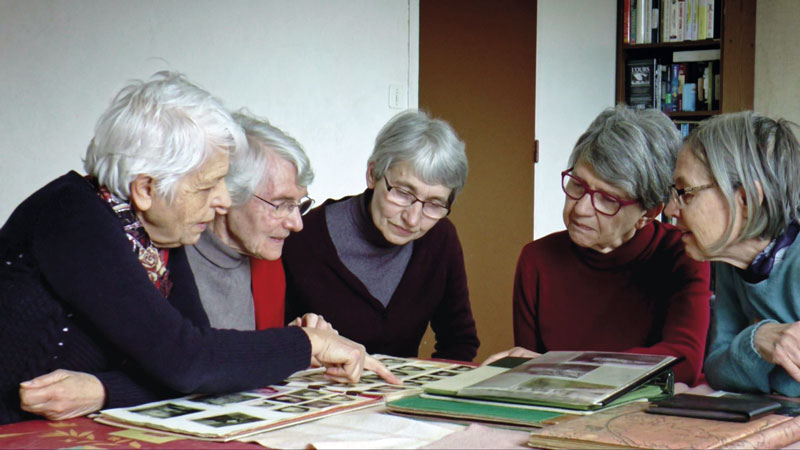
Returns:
point(679, 195)
point(402, 197)
point(602, 202)
point(283, 209)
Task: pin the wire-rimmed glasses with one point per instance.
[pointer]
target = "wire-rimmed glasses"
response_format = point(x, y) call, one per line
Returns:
point(283, 209)
point(679, 195)
point(402, 197)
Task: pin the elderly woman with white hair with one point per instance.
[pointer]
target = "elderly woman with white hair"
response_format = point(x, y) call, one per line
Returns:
point(268, 183)
point(737, 200)
point(380, 266)
point(616, 279)
point(95, 285)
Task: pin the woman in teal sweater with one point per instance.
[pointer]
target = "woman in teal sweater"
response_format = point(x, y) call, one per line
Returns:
point(737, 201)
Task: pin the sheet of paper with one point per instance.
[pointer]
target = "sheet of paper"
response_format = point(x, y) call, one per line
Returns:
point(368, 428)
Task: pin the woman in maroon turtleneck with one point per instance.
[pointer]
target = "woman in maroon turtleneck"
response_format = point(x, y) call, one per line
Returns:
point(616, 279)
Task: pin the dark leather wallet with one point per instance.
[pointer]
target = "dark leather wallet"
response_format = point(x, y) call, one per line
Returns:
point(732, 409)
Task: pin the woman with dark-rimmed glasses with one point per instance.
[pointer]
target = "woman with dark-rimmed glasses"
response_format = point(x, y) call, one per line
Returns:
point(616, 279)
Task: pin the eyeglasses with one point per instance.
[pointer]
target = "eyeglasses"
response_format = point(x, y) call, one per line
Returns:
point(402, 197)
point(284, 209)
point(679, 195)
point(602, 202)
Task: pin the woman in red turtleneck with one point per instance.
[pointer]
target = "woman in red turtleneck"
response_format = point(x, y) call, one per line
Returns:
point(615, 279)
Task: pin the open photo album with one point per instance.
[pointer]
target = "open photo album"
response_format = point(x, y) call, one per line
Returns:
point(579, 380)
point(305, 396)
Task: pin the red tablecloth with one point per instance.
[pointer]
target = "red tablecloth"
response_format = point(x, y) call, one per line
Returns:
point(86, 433)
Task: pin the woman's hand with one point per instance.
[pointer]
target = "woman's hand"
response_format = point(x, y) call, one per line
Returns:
point(311, 320)
point(62, 394)
point(516, 351)
point(779, 343)
point(344, 359)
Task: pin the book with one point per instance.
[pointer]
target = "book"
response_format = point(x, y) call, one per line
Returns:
point(626, 22)
point(629, 426)
point(696, 55)
point(579, 380)
point(730, 408)
point(465, 410)
point(304, 396)
point(641, 77)
point(655, 21)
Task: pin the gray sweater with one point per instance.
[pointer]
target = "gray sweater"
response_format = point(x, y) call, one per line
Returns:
point(223, 279)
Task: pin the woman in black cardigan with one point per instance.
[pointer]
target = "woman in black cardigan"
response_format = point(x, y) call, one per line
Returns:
point(95, 286)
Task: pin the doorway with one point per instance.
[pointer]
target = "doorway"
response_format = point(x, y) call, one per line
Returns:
point(477, 71)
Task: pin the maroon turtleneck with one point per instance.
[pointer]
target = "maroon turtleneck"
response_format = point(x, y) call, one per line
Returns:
point(647, 296)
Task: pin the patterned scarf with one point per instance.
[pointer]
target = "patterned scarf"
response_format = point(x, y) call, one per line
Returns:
point(771, 256)
point(152, 259)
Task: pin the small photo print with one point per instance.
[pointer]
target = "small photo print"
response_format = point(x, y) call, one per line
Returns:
point(461, 368)
point(320, 404)
point(294, 409)
point(386, 388)
point(340, 398)
point(227, 420)
point(372, 377)
point(308, 393)
point(389, 361)
point(410, 369)
point(399, 373)
point(288, 399)
point(560, 370)
point(425, 378)
point(226, 399)
point(444, 373)
point(266, 404)
point(628, 359)
point(412, 383)
point(166, 411)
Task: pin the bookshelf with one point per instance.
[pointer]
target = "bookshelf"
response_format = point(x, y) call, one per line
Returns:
point(734, 38)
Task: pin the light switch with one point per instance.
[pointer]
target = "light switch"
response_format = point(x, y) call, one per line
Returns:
point(397, 96)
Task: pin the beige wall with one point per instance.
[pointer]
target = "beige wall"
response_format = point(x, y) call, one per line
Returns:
point(777, 71)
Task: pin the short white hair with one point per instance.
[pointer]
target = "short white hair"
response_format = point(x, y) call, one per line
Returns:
point(249, 167)
point(165, 128)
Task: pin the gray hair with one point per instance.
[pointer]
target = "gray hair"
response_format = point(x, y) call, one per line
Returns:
point(165, 128)
point(431, 146)
point(632, 149)
point(248, 168)
point(747, 149)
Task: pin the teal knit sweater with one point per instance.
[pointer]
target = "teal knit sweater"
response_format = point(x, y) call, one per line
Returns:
point(733, 364)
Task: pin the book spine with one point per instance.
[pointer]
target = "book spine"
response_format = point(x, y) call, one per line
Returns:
point(626, 22)
point(702, 10)
point(640, 23)
point(655, 22)
point(715, 90)
point(673, 20)
point(657, 87)
point(710, 8)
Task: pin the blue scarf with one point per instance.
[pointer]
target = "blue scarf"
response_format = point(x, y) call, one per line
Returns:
point(762, 265)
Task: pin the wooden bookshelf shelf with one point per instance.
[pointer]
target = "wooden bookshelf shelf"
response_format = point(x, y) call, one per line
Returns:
point(735, 39)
